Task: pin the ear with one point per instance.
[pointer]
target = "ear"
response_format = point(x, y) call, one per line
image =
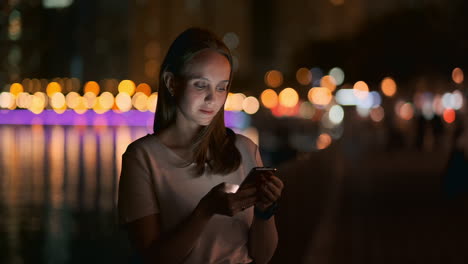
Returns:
point(169, 81)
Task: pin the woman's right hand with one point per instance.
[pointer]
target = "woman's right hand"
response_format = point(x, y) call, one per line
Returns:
point(218, 201)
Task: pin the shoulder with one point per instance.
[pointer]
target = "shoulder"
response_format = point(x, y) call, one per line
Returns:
point(243, 142)
point(142, 145)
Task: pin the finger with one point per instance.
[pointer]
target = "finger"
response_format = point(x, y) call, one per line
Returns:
point(277, 182)
point(274, 189)
point(269, 194)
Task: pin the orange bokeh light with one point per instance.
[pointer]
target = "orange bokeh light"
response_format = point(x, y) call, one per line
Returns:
point(92, 87)
point(269, 98)
point(449, 115)
point(273, 78)
point(388, 86)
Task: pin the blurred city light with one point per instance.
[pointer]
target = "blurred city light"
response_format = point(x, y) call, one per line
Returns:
point(57, 101)
point(123, 101)
point(273, 78)
point(139, 101)
point(7, 100)
point(16, 88)
point(56, 3)
point(329, 82)
point(152, 102)
point(72, 99)
point(269, 98)
point(288, 97)
point(377, 114)
point(306, 110)
point(92, 87)
point(361, 90)
point(234, 102)
point(346, 97)
point(231, 40)
point(320, 96)
point(449, 115)
point(336, 114)
point(250, 105)
point(457, 75)
point(106, 100)
point(406, 111)
point(323, 141)
point(388, 86)
point(127, 86)
point(304, 76)
point(53, 87)
point(317, 75)
point(15, 25)
point(144, 88)
point(337, 74)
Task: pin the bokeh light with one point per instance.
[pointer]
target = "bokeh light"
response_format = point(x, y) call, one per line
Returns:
point(449, 115)
point(361, 89)
point(90, 99)
point(337, 74)
point(273, 78)
point(144, 88)
point(16, 88)
point(304, 76)
point(323, 141)
point(234, 102)
point(329, 82)
point(336, 114)
point(152, 102)
point(72, 100)
point(106, 100)
point(388, 86)
point(92, 87)
point(457, 75)
point(123, 101)
point(306, 110)
point(127, 86)
point(269, 98)
point(250, 105)
point(406, 111)
point(23, 100)
point(377, 114)
point(7, 100)
point(57, 101)
point(288, 97)
point(139, 101)
point(320, 96)
point(53, 87)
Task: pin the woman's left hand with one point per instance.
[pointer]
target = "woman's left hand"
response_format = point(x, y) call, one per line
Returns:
point(269, 191)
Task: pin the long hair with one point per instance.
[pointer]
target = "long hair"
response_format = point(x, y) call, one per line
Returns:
point(215, 144)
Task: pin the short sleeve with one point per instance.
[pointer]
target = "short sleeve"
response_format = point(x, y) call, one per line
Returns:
point(136, 197)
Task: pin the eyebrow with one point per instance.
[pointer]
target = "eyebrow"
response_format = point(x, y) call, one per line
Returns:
point(203, 78)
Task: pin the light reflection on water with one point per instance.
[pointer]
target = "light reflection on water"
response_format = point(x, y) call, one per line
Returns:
point(57, 192)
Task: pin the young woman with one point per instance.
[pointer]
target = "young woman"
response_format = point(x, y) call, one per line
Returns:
point(173, 197)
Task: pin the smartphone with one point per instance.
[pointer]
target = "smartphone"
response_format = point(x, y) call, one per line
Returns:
point(254, 175)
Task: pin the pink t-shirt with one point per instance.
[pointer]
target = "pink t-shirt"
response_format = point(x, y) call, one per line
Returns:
point(154, 180)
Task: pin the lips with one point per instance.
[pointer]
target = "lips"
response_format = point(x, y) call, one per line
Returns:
point(206, 111)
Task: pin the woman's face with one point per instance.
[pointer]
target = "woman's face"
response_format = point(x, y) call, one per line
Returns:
point(204, 88)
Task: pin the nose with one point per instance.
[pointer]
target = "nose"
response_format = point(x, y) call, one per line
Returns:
point(209, 96)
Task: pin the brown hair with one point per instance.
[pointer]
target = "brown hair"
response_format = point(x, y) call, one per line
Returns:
point(214, 139)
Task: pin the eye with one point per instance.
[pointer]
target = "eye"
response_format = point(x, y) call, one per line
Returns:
point(221, 89)
point(200, 85)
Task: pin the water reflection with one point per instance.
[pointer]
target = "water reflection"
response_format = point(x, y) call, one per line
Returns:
point(57, 193)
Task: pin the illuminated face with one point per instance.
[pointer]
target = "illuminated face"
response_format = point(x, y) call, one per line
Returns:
point(204, 86)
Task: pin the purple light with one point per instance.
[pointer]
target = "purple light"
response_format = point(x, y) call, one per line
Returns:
point(110, 118)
